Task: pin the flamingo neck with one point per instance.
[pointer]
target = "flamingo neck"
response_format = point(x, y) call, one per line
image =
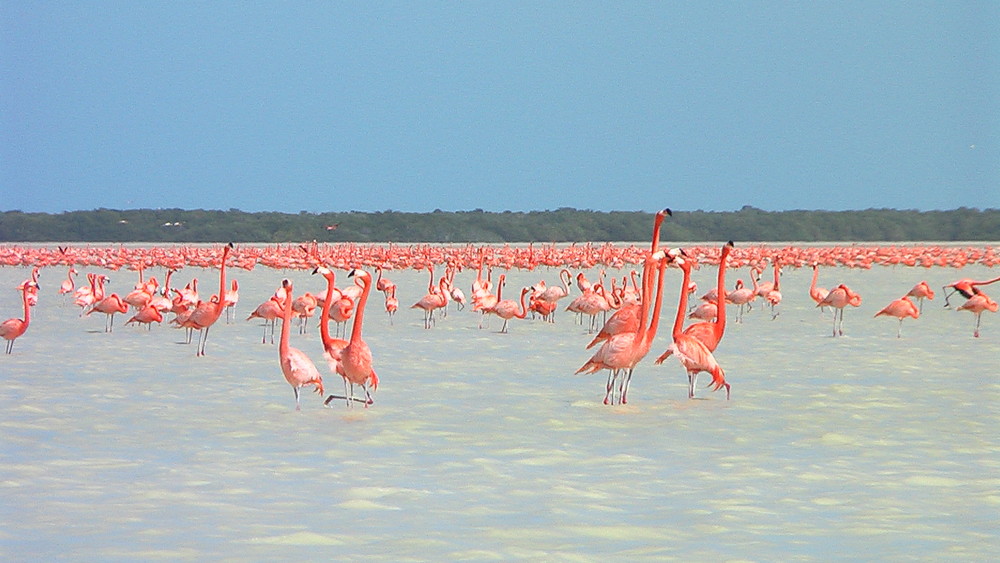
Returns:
point(286, 322)
point(359, 312)
point(647, 292)
point(682, 306)
point(324, 323)
point(222, 283)
point(524, 311)
point(654, 323)
point(27, 308)
point(720, 298)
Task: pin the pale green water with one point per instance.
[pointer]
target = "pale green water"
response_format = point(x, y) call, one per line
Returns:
point(485, 446)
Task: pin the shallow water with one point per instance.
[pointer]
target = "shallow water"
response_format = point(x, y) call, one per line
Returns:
point(485, 446)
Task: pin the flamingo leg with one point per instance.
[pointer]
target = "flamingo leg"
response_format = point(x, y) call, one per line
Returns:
point(296, 390)
point(979, 317)
point(899, 330)
point(612, 375)
point(202, 340)
point(624, 392)
point(692, 383)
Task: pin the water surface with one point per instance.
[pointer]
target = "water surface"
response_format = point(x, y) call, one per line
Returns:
point(485, 446)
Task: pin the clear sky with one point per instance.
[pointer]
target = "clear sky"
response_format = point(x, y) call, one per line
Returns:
point(423, 105)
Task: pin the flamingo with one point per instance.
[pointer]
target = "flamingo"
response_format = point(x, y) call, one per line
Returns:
point(773, 294)
point(900, 308)
point(356, 358)
point(206, 313)
point(435, 299)
point(977, 304)
point(921, 291)
point(692, 353)
point(297, 368)
point(147, 315)
point(506, 309)
point(622, 352)
point(110, 305)
point(618, 352)
point(742, 296)
point(68, 285)
point(232, 298)
point(383, 284)
point(391, 303)
point(13, 328)
point(305, 307)
point(555, 293)
point(332, 347)
point(838, 298)
point(269, 310)
point(709, 333)
point(817, 294)
point(965, 287)
point(626, 318)
point(32, 289)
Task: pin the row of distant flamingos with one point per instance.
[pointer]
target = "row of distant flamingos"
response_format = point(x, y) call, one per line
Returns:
point(625, 338)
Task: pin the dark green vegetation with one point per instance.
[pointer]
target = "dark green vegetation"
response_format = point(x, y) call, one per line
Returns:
point(562, 225)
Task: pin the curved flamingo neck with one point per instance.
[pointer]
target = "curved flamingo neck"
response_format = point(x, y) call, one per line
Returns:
point(524, 310)
point(324, 323)
point(812, 286)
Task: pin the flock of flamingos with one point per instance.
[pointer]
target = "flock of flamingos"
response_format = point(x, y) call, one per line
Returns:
point(624, 339)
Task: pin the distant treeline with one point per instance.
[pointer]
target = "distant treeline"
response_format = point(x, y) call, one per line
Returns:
point(562, 225)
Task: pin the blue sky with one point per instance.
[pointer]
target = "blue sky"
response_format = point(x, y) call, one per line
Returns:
point(416, 106)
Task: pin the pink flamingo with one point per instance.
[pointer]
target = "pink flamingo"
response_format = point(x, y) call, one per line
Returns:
point(977, 304)
point(110, 305)
point(13, 328)
point(709, 333)
point(626, 318)
point(921, 291)
point(838, 298)
point(435, 299)
point(507, 309)
point(356, 358)
point(305, 307)
point(900, 308)
point(392, 304)
point(383, 284)
point(621, 351)
point(269, 310)
point(232, 298)
point(332, 347)
point(147, 315)
point(555, 293)
point(742, 296)
point(68, 285)
point(965, 287)
point(206, 313)
point(693, 354)
point(817, 294)
point(297, 368)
